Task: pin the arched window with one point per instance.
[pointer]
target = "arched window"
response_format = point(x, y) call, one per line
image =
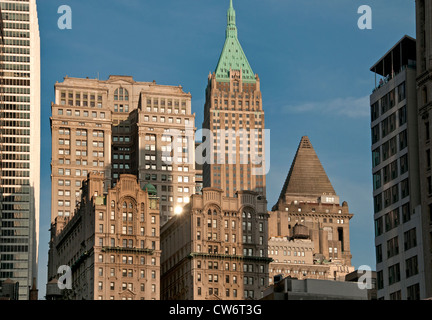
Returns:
point(112, 204)
point(121, 94)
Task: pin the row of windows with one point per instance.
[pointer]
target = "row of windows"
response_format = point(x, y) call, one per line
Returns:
point(390, 172)
point(7, 140)
point(394, 272)
point(155, 102)
point(14, 6)
point(14, 25)
point(410, 241)
point(15, 58)
point(388, 101)
point(20, 67)
point(77, 113)
point(166, 120)
point(16, 34)
point(16, 50)
point(392, 219)
point(389, 148)
point(125, 286)
point(15, 16)
point(388, 125)
point(15, 98)
point(126, 259)
point(391, 195)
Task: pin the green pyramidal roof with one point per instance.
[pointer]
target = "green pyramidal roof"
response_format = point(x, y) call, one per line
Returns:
point(233, 56)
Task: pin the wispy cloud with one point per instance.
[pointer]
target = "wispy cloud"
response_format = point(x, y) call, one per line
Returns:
point(348, 107)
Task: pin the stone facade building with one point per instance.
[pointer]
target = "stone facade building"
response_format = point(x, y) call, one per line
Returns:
point(234, 116)
point(309, 223)
point(216, 248)
point(120, 126)
point(111, 242)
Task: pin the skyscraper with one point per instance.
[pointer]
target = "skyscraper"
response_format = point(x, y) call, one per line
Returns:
point(19, 142)
point(400, 264)
point(234, 116)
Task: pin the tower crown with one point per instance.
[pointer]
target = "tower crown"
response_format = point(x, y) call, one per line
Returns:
point(233, 57)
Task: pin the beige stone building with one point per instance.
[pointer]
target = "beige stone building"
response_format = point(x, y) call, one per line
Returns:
point(111, 242)
point(216, 248)
point(309, 223)
point(233, 113)
point(121, 126)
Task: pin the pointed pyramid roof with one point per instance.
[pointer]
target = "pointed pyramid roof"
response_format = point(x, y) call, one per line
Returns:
point(307, 177)
point(233, 56)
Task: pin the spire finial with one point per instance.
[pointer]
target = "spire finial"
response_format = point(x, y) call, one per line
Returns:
point(231, 28)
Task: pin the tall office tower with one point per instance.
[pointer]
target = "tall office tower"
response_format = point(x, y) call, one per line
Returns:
point(308, 223)
point(234, 103)
point(424, 87)
point(121, 126)
point(216, 248)
point(19, 142)
point(111, 244)
point(399, 240)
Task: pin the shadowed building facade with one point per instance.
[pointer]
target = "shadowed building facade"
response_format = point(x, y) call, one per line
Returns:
point(400, 269)
point(308, 227)
point(111, 243)
point(423, 289)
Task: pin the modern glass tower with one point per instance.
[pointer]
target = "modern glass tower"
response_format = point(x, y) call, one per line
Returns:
point(19, 142)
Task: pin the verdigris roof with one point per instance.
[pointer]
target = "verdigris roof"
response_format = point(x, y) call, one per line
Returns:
point(233, 56)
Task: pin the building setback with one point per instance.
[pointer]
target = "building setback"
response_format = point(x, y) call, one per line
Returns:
point(308, 215)
point(19, 143)
point(120, 126)
point(111, 243)
point(216, 248)
point(399, 246)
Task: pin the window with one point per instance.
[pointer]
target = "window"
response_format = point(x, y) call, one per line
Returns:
point(394, 274)
point(411, 267)
point(413, 292)
point(378, 251)
point(410, 239)
point(392, 247)
point(392, 219)
point(401, 92)
point(121, 94)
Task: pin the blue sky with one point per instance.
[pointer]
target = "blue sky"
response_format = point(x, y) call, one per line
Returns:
point(311, 57)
